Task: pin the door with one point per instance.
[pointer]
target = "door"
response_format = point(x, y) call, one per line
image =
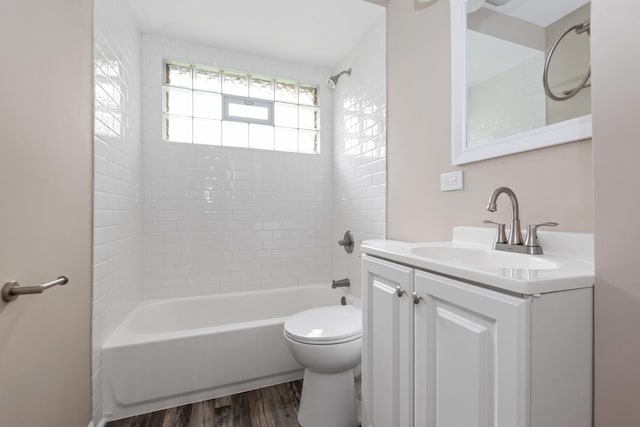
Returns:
point(45, 211)
point(472, 355)
point(387, 353)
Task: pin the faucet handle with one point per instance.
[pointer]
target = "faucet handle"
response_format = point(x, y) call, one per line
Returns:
point(501, 237)
point(532, 233)
point(347, 242)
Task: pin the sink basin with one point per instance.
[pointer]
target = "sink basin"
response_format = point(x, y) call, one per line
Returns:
point(482, 258)
point(566, 264)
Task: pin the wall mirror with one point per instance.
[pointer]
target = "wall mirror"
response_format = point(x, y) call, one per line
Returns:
point(502, 52)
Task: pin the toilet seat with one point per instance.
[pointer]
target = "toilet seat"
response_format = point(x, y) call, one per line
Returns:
point(325, 325)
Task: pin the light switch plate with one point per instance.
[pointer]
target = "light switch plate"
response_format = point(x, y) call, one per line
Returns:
point(451, 181)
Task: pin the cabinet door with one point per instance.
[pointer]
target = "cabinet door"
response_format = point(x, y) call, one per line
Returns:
point(471, 355)
point(387, 359)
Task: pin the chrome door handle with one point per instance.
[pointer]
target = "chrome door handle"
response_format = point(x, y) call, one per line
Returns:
point(11, 290)
point(400, 291)
point(416, 298)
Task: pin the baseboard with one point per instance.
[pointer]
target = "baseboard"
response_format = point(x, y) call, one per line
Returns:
point(116, 412)
point(101, 423)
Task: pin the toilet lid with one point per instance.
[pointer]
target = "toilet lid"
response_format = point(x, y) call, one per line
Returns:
point(325, 324)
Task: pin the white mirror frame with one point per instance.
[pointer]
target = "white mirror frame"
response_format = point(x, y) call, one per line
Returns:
point(558, 133)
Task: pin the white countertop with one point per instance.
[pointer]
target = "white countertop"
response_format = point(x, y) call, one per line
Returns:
point(566, 264)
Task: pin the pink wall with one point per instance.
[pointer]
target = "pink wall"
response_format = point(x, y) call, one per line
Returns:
point(616, 91)
point(553, 184)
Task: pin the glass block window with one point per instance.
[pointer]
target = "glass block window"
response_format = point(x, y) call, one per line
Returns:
point(207, 105)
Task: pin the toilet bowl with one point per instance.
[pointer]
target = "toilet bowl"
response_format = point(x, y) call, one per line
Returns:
point(327, 341)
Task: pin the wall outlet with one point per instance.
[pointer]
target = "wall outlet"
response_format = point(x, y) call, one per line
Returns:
point(451, 181)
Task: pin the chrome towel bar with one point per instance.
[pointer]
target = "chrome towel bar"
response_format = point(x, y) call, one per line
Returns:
point(579, 29)
point(11, 290)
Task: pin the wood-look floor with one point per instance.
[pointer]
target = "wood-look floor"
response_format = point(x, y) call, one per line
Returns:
point(275, 406)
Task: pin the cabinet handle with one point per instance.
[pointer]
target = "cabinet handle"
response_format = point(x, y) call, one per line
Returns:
point(400, 291)
point(416, 298)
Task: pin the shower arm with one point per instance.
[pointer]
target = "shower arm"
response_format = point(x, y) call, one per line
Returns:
point(333, 80)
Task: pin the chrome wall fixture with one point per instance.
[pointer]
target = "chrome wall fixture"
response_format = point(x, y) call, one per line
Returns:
point(342, 283)
point(567, 94)
point(11, 290)
point(333, 80)
point(347, 241)
point(514, 243)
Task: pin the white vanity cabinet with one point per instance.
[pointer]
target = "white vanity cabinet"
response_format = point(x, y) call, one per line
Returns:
point(387, 351)
point(471, 354)
point(441, 352)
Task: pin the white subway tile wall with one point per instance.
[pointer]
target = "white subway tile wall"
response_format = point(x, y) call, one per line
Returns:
point(507, 104)
point(359, 174)
point(224, 219)
point(117, 178)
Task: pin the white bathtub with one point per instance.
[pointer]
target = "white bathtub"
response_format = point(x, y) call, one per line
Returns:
point(184, 350)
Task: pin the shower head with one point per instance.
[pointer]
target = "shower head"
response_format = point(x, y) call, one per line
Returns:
point(333, 80)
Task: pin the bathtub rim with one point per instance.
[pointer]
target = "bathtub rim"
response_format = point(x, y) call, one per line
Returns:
point(122, 337)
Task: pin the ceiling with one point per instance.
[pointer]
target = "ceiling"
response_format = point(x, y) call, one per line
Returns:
point(539, 12)
point(318, 32)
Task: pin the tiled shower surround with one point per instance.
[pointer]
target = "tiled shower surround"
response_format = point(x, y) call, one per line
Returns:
point(176, 219)
point(223, 219)
point(359, 153)
point(117, 263)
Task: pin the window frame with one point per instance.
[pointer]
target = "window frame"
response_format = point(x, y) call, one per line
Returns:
point(242, 100)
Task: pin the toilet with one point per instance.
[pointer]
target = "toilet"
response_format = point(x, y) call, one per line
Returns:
point(327, 341)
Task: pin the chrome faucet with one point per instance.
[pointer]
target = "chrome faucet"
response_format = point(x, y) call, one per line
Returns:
point(515, 234)
point(342, 283)
point(514, 242)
